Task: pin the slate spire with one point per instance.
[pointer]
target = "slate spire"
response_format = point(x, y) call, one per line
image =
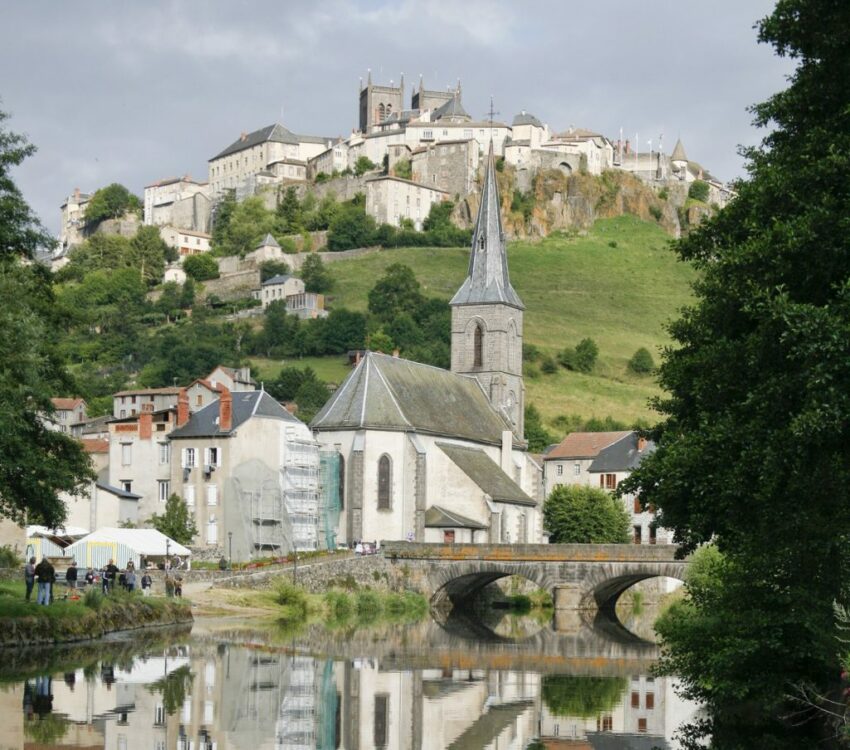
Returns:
point(487, 281)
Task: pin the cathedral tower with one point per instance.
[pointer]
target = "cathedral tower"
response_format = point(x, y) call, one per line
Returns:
point(377, 103)
point(487, 313)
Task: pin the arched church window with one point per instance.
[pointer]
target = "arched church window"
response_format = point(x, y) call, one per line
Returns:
point(341, 483)
point(384, 481)
point(381, 113)
point(389, 110)
point(478, 346)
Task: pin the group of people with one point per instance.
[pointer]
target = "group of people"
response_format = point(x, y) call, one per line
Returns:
point(44, 575)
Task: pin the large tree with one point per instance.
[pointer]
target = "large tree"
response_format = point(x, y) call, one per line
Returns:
point(753, 451)
point(35, 463)
point(575, 514)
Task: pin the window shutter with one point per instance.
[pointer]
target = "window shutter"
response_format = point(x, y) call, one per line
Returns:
point(183, 458)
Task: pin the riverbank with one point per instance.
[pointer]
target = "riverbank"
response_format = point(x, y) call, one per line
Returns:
point(25, 624)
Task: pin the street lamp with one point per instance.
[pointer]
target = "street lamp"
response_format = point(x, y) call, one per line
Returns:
point(230, 548)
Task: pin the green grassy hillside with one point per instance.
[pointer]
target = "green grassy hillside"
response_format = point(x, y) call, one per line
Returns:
point(619, 284)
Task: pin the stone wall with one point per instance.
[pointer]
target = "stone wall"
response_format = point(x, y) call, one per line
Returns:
point(232, 286)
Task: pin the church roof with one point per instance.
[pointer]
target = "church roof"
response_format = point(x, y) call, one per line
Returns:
point(452, 108)
point(276, 133)
point(526, 118)
point(487, 474)
point(678, 152)
point(487, 281)
point(269, 241)
point(437, 517)
point(390, 393)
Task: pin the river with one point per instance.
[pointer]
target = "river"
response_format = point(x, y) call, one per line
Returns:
point(462, 683)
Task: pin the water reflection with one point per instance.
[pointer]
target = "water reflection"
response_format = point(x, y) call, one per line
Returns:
point(421, 687)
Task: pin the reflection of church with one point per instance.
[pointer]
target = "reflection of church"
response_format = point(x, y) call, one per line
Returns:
point(437, 455)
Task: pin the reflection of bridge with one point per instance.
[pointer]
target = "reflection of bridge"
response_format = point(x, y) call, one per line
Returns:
point(579, 576)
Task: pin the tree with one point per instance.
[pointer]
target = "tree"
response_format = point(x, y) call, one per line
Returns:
point(395, 292)
point(270, 268)
point(577, 514)
point(176, 523)
point(351, 227)
point(698, 191)
point(536, 434)
point(582, 358)
point(111, 202)
point(148, 252)
point(582, 695)
point(289, 214)
point(315, 275)
point(752, 452)
point(221, 221)
point(642, 362)
point(362, 165)
point(200, 267)
point(249, 222)
point(36, 463)
point(402, 168)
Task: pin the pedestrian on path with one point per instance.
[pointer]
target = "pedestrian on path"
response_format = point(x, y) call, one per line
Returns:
point(45, 575)
point(29, 576)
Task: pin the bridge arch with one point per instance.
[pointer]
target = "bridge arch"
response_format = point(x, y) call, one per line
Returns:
point(459, 582)
point(607, 583)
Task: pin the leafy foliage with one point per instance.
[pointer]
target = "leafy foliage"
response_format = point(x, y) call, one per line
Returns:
point(271, 268)
point(351, 227)
point(111, 202)
point(576, 514)
point(176, 523)
point(582, 695)
point(403, 169)
point(315, 276)
point(753, 449)
point(536, 434)
point(201, 267)
point(582, 358)
point(642, 362)
point(698, 191)
point(362, 165)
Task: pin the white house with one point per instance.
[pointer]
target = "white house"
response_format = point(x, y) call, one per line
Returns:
point(279, 288)
point(392, 200)
point(186, 241)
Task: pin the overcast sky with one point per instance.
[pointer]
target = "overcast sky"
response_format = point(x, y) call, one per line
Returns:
point(133, 92)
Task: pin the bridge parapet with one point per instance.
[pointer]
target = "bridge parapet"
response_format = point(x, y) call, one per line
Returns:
point(531, 552)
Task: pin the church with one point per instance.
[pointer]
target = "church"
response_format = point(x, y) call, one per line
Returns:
point(437, 455)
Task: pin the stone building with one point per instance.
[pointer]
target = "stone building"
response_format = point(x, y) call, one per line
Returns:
point(273, 150)
point(186, 241)
point(68, 412)
point(439, 455)
point(73, 221)
point(279, 288)
point(423, 99)
point(377, 103)
point(391, 200)
point(179, 201)
point(451, 166)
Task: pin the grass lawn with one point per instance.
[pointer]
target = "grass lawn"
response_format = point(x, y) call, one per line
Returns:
point(330, 369)
point(573, 287)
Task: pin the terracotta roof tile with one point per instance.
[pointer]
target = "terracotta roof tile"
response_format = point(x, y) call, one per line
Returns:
point(67, 403)
point(584, 444)
point(95, 445)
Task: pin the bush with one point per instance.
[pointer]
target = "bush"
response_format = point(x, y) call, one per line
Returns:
point(612, 243)
point(664, 194)
point(271, 268)
point(339, 605)
point(548, 364)
point(93, 598)
point(363, 165)
point(200, 267)
point(698, 191)
point(9, 558)
point(575, 514)
point(367, 605)
point(292, 598)
point(641, 362)
point(582, 358)
point(655, 212)
point(530, 352)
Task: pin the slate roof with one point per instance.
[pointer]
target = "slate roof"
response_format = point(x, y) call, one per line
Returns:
point(437, 517)
point(281, 278)
point(583, 444)
point(452, 108)
point(488, 281)
point(526, 118)
point(118, 491)
point(246, 404)
point(276, 133)
point(389, 393)
point(678, 152)
point(487, 474)
point(622, 455)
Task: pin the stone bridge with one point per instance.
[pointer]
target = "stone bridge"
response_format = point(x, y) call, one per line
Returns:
point(578, 576)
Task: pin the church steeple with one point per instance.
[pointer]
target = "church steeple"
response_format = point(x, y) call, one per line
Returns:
point(487, 280)
point(487, 313)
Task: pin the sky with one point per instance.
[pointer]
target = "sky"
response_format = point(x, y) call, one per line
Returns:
point(132, 92)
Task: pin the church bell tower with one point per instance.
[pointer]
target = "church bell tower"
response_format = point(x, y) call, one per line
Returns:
point(487, 313)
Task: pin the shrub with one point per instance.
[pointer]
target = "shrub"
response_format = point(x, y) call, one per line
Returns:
point(322, 177)
point(200, 267)
point(612, 243)
point(664, 194)
point(367, 605)
point(548, 364)
point(655, 212)
point(9, 558)
point(363, 165)
point(93, 598)
point(698, 191)
point(530, 352)
point(338, 604)
point(292, 598)
point(641, 362)
point(575, 514)
point(582, 358)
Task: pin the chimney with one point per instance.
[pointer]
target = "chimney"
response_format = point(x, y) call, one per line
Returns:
point(182, 407)
point(146, 422)
point(225, 410)
point(641, 444)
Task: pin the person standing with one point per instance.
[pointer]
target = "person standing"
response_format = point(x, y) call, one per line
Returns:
point(147, 582)
point(89, 577)
point(178, 584)
point(45, 574)
point(110, 572)
point(130, 579)
point(29, 576)
point(71, 575)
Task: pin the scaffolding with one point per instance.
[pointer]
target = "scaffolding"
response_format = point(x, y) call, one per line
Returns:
point(300, 479)
point(329, 504)
point(296, 718)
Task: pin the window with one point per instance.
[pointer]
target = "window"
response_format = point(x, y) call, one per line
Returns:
point(652, 538)
point(159, 715)
point(189, 495)
point(209, 708)
point(164, 488)
point(341, 483)
point(164, 453)
point(478, 346)
point(449, 536)
point(211, 457)
point(635, 699)
point(576, 469)
point(212, 531)
point(637, 506)
point(560, 470)
point(650, 701)
point(199, 399)
point(188, 458)
point(382, 704)
point(212, 494)
point(384, 480)
point(638, 534)
point(608, 481)
point(126, 454)
point(127, 485)
point(641, 725)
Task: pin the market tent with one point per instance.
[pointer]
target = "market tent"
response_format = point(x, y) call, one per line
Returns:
point(122, 546)
point(45, 542)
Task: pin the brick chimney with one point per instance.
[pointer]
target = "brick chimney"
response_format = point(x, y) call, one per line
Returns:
point(146, 422)
point(182, 407)
point(225, 410)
